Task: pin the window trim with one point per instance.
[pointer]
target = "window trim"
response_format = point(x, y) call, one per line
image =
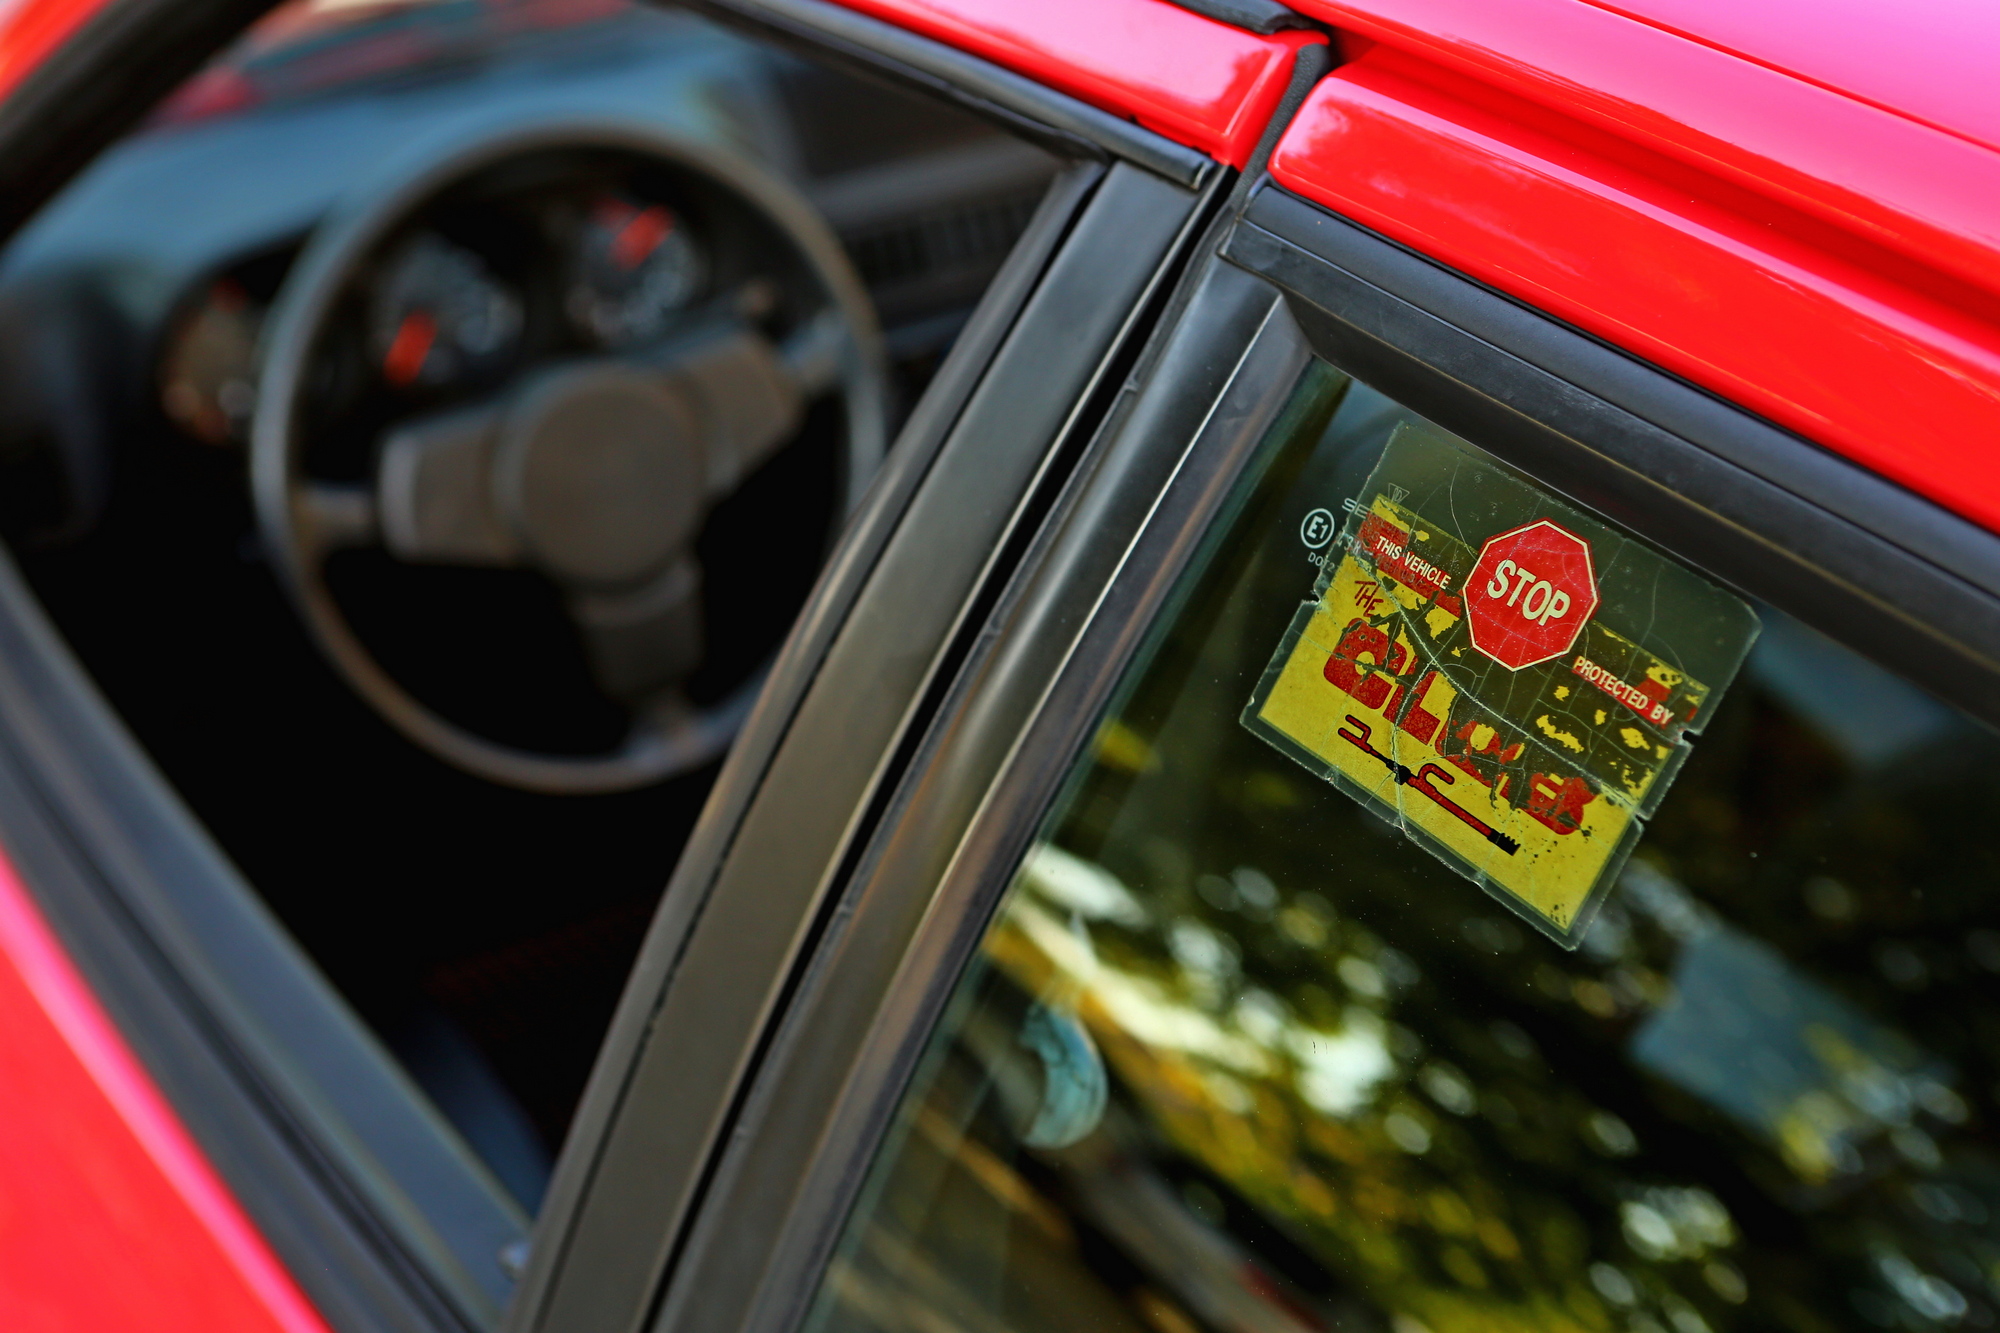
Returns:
point(1107, 565)
point(600, 1297)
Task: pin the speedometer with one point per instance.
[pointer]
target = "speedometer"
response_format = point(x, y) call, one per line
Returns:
point(441, 317)
point(635, 266)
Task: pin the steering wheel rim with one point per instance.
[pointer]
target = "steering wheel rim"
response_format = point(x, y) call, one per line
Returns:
point(660, 744)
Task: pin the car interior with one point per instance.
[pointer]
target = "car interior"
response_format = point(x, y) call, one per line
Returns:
point(425, 428)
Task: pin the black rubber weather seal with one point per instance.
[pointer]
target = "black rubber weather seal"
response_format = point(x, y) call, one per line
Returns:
point(1259, 16)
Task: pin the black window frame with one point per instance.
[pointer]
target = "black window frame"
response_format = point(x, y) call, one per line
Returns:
point(1896, 577)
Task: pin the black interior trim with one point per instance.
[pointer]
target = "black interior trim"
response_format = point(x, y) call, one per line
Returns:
point(1017, 103)
point(1886, 572)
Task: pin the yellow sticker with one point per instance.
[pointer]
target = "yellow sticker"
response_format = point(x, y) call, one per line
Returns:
point(1510, 681)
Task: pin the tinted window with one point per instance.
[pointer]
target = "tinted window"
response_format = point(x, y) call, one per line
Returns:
point(1238, 1054)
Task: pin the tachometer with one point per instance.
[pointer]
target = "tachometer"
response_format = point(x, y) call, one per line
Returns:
point(635, 266)
point(441, 317)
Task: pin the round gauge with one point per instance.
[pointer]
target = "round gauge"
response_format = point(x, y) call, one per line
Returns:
point(635, 266)
point(440, 316)
point(208, 375)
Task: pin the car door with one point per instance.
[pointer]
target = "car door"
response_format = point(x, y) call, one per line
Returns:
point(1132, 999)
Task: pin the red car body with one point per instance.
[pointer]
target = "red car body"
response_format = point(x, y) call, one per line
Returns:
point(1791, 206)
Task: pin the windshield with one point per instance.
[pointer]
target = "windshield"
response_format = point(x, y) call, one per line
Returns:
point(1246, 1049)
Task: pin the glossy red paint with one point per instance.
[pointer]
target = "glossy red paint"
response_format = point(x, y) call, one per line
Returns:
point(1886, 177)
point(110, 1217)
point(1196, 81)
point(1824, 262)
point(1933, 61)
point(31, 29)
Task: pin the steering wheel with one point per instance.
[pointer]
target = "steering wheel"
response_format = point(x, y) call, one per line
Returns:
point(595, 469)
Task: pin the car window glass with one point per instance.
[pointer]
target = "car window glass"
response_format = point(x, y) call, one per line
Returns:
point(1238, 1054)
point(481, 926)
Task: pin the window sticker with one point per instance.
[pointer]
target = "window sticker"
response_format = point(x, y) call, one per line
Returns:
point(1510, 682)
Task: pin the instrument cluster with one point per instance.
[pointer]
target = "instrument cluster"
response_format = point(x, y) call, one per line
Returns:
point(467, 294)
point(633, 267)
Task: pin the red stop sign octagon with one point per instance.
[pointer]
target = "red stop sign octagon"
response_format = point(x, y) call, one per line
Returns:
point(1529, 594)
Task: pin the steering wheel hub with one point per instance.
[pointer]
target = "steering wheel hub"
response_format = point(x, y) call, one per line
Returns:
point(601, 472)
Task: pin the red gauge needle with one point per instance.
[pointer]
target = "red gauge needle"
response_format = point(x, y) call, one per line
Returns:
point(641, 236)
point(412, 344)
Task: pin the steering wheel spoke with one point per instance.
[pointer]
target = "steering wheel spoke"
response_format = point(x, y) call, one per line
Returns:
point(329, 517)
point(745, 393)
point(645, 640)
point(435, 483)
point(671, 733)
point(815, 354)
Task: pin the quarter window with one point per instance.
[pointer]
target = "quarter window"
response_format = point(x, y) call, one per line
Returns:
point(1238, 1052)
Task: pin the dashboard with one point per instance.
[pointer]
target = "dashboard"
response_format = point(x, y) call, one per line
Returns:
point(601, 257)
